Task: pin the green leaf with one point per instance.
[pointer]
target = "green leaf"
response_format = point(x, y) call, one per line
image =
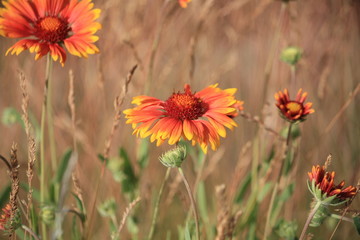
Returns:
point(202, 203)
point(129, 182)
point(264, 191)
point(187, 233)
point(143, 153)
point(63, 166)
point(101, 157)
point(75, 233)
point(35, 193)
point(4, 195)
point(357, 223)
point(79, 203)
point(242, 190)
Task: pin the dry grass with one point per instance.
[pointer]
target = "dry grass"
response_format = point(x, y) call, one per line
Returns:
point(233, 43)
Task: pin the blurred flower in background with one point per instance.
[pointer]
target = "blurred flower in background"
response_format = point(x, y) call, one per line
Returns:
point(48, 25)
point(293, 110)
point(5, 217)
point(184, 3)
point(199, 117)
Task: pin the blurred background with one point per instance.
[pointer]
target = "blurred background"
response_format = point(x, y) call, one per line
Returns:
point(236, 43)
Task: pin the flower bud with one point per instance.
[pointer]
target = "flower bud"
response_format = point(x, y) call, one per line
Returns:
point(174, 157)
point(291, 55)
point(47, 214)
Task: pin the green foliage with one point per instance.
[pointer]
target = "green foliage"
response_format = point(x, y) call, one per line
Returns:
point(357, 223)
point(11, 116)
point(4, 195)
point(286, 229)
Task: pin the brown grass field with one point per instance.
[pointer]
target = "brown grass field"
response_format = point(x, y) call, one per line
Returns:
point(234, 43)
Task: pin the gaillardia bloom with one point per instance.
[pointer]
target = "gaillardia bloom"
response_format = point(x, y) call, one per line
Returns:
point(293, 110)
point(49, 25)
point(324, 181)
point(200, 117)
point(5, 217)
point(184, 3)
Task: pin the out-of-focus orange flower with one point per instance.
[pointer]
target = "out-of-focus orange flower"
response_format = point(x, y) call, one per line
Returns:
point(184, 3)
point(325, 182)
point(48, 25)
point(200, 117)
point(293, 110)
point(5, 217)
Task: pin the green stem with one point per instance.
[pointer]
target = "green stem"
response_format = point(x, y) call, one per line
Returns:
point(156, 210)
point(42, 141)
point(275, 189)
point(50, 121)
point(192, 200)
point(307, 223)
point(336, 216)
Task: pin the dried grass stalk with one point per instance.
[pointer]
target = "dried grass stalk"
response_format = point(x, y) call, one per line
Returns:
point(30, 141)
point(14, 175)
point(126, 214)
point(226, 220)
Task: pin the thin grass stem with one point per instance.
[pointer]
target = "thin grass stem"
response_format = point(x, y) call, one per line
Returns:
point(275, 189)
point(156, 209)
point(192, 200)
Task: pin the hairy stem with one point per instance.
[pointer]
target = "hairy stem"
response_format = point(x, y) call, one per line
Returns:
point(308, 221)
point(156, 209)
point(42, 141)
point(192, 200)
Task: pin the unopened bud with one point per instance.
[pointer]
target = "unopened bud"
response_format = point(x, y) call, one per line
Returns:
point(291, 55)
point(174, 157)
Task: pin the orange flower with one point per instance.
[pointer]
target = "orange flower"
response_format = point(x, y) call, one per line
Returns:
point(293, 110)
point(325, 182)
point(184, 3)
point(5, 217)
point(48, 25)
point(199, 117)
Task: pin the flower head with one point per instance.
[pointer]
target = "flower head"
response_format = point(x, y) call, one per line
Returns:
point(184, 3)
point(8, 220)
point(293, 110)
point(5, 217)
point(324, 181)
point(200, 117)
point(46, 26)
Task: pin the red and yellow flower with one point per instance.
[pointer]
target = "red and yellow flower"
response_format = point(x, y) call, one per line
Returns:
point(200, 117)
point(184, 3)
point(293, 110)
point(5, 217)
point(46, 26)
point(324, 181)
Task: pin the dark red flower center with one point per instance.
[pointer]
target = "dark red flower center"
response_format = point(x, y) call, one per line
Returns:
point(52, 29)
point(294, 107)
point(185, 106)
